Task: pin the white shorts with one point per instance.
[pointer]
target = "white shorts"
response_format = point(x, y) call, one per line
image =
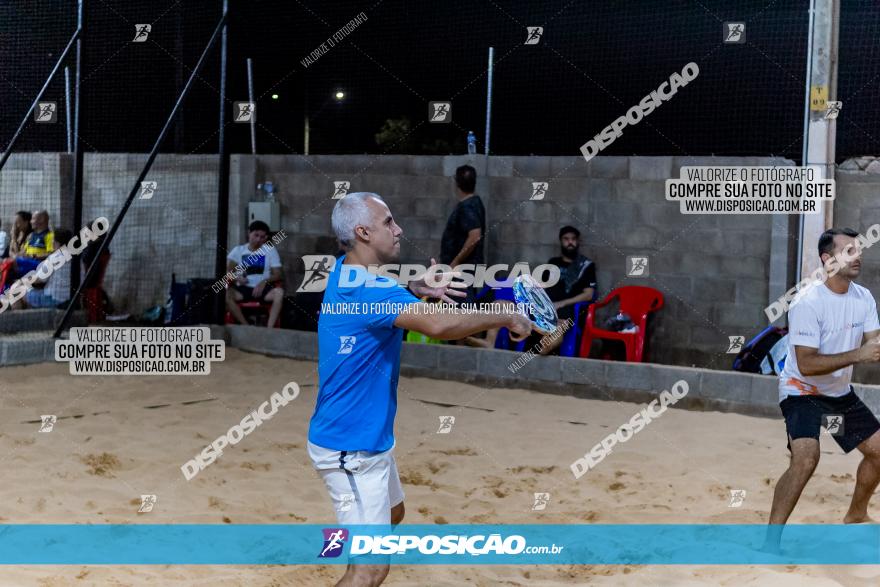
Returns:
point(363, 486)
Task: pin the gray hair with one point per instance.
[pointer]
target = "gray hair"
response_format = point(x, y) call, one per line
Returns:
point(349, 212)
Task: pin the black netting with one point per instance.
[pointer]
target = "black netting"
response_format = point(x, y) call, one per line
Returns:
point(594, 61)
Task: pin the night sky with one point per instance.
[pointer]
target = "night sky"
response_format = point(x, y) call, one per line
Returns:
point(594, 61)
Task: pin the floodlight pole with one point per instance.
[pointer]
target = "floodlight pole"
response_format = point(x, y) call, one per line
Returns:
point(819, 132)
point(68, 110)
point(223, 179)
point(250, 77)
point(75, 146)
point(489, 97)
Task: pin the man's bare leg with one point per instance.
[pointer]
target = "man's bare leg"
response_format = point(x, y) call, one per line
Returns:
point(364, 576)
point(550, 344)
point(276, 296)
point(804, 458)
point(867, 478)
point(233, 296)
point(371, 575)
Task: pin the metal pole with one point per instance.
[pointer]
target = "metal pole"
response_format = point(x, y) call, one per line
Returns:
point(489, 98)
point(250, 76)
point(150, 159)
point(806, 145)
point(306, 137)
point(15, 137)
point(179, 80)
point(819, 132)
point(74, 144)
point(67, 109)
point(223, 167)
point(305, 115)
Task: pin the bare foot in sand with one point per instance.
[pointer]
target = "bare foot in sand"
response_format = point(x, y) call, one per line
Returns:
point(859, 519)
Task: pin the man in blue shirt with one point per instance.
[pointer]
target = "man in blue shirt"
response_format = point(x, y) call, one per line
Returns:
point(351, 434)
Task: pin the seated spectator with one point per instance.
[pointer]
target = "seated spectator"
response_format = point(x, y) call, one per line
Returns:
point(55, 290)
point(577, 282)
point(40, 242)
point(88, 257)
point(4, 242)
point(21, 229)
point(487, 338)
point(261, 268)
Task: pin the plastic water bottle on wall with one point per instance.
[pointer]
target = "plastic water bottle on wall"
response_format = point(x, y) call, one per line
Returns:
point(269, 188)
point(472, 143)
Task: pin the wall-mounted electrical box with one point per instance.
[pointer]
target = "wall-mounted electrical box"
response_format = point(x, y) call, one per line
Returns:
point(268, 212)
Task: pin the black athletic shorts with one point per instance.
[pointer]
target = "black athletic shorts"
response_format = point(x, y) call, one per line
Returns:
point(248, 292)
point(846, 418)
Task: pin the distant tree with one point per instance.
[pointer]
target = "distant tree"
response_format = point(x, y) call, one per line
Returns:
point(396, 136)
point(438, 147)
point(453, 143)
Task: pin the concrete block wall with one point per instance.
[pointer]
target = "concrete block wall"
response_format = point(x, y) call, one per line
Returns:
point(173, 232)
point(14, 322)
point(858, 206)
point(26, 336)
point(33, 181)
point(709, 389)
point(713, 270)
point(418, 192)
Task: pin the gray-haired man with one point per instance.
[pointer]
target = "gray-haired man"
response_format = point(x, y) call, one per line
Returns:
point(351, 438)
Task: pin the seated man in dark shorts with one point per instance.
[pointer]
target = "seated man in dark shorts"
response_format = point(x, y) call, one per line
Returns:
point(256, 267)
point(832, 326)
point(577, 282)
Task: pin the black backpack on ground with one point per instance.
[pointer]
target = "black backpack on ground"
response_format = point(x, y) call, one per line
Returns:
point(749, 358)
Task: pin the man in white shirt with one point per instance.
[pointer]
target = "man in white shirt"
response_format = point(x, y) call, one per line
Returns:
point(832, 326)
point(256, 268)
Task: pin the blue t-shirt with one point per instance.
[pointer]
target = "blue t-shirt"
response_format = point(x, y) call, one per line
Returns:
point(358, 361)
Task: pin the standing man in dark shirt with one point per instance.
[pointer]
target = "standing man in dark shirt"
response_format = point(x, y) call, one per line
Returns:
point(463, 237)
point(577, 280)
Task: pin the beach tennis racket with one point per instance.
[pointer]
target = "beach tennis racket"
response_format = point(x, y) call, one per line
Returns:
point(538, 307)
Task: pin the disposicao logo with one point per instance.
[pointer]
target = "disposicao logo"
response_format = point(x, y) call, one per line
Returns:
point(334, 542)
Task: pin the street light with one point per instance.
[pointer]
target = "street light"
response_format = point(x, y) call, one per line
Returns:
point(338, 95)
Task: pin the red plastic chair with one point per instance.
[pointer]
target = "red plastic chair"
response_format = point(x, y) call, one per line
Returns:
point(93, 297)
point(635, 300)
point(254, 308)
point(5, 269)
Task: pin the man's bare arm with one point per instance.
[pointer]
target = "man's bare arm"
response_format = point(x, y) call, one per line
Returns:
point(453, 324)
point(584, 296)
point(473, 238)
point(810, 362)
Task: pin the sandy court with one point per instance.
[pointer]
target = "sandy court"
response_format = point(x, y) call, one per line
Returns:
point(134, 433)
